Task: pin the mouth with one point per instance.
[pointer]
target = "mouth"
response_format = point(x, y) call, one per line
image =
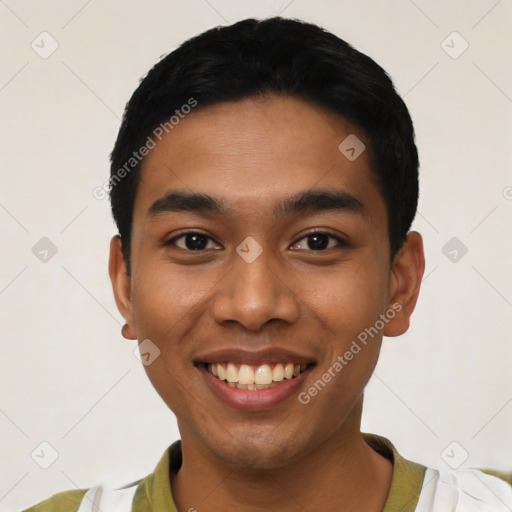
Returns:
point(254, 377)
point(254, 380)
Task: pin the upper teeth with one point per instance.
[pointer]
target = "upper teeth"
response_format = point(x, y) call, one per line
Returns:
point(246, 374)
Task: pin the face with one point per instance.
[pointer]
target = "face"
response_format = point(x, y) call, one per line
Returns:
point(260, 254)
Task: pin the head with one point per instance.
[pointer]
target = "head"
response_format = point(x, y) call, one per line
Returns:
point(270, 180)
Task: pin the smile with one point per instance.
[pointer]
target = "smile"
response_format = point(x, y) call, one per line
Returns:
point(255, 377)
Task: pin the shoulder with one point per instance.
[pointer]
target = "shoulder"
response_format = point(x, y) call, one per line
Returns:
point(464, 490)
point(99, 498)
point(66, 501)
point(503, 475)
point(142, 493)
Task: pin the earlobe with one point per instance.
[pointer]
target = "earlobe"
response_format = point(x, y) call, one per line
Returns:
point(405, 282)
point(121, 287)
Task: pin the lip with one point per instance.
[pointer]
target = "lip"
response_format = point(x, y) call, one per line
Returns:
point(257, 399)
point(266, 356)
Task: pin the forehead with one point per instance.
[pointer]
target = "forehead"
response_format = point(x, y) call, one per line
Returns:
point(250, 153)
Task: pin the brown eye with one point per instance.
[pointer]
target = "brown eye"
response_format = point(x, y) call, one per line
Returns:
point(193, 242)
point(317, 242)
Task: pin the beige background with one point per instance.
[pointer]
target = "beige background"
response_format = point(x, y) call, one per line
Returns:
point(67, 375)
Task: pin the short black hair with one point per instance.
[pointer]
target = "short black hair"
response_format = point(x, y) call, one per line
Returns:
point(275, 55)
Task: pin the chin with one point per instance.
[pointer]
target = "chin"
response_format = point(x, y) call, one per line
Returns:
point(256, 452)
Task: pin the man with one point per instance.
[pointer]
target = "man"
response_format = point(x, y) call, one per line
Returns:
point(263, 182)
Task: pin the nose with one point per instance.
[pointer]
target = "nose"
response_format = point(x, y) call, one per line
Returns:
point(253, 294)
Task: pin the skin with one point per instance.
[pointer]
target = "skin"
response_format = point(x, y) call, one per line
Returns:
point(251, 154)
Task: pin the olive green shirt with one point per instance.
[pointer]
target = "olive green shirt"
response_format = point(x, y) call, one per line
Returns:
point(153, 493)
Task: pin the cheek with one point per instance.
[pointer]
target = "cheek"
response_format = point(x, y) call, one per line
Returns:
point(166, 299)
point(346, 301)
point(348, 305)
point(165, 304)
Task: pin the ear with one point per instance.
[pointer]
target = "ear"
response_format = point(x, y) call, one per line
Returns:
point(404, 284)
point(121, 286)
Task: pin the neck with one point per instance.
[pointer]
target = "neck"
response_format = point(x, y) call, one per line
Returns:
point(342, 474)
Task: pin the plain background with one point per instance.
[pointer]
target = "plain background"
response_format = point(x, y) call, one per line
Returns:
point(68, 377)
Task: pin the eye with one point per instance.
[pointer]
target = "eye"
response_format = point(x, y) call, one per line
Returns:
point(193, 241)
point(318, 242)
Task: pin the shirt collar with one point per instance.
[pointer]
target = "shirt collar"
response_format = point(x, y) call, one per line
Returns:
point(154, 491)
point(407, 478)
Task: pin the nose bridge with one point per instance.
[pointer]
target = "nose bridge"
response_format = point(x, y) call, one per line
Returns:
point(253, 292)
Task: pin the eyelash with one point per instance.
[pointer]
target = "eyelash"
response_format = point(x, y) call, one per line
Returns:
point(172, 241)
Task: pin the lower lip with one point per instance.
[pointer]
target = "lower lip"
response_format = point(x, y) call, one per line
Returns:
point(254, 399)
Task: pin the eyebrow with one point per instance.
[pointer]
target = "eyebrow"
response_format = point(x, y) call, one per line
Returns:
point(316, 201)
